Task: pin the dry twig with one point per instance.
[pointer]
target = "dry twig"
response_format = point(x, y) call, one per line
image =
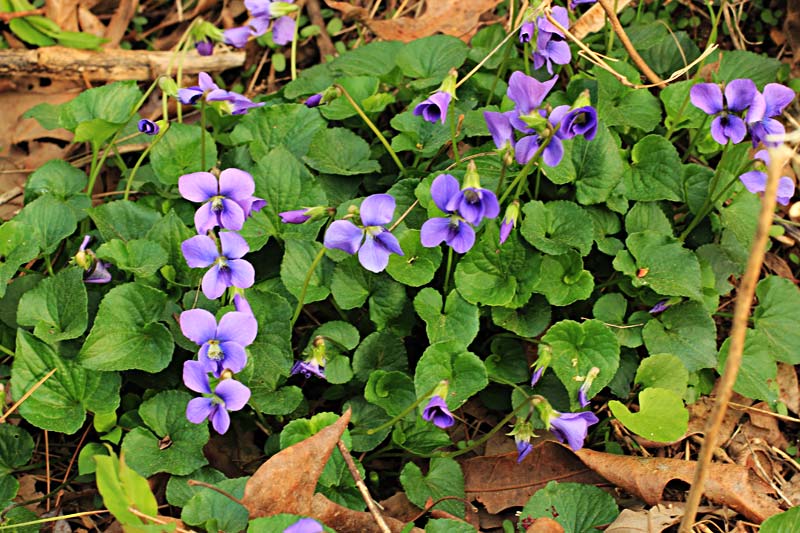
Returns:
point(362, 488)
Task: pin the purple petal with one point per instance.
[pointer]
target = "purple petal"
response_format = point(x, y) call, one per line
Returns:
point(434, 231)
point(758, 109)
point(523, 449)
point(372, 255)
point(462, 239)
point(242, 274)
point(739, 94)
point(204, 47)
point(573, 427)
point(554, 151)
point(214, 283)
point(220, 419)
point(234, 394)
point(205, 218)
point(489, 200)
point(762, 155)
point(307, 368)
point(583, 400)
point(537, 375)
point(559, 52)
point(198, 325)
point(231, 216)
point(198, 186)
point(389, 241)
point(776, 97)
point(557, 115)
point(500, 127)
point(260, 25)
point(528, 93)
point(283, 31)
point(189, 95)
point(343, 235)
point(297, 216)
point(98, 274)
point(735, 129)
point(434, 109)
point(148, 127)
point(242, 305)
point(437, 412)
point(377, 210)
point(314, 100)
point(443, 189)
point(199, 251)
point(236, 184)
point(785, 190)
point(233, 245)
point(86, 240)
point(526, 31)
point(206, 83)
point(237, 327)
point(237, 37)
point(561, 16)
point(471, 208)
point(195, 377)
point(305, 525)
point(766, 128)
point(707, 97)
point(199, 409)
point(258, 8)
point(526, 148)
point(505, 230)
point(754, 181)
point(234, 358)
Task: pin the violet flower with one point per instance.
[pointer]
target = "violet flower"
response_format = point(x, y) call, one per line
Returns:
point(283, 30)
point(766, 105)
point(434, 108)
point(551, 46)
point(578, 121)
point(221, 346)
point(242, 305)
point(537, 375)
point(225, 200)
point(453, 230)
point(372, 241)
point(473, 202)
point(499, 125)
point(755, 181)
point(583, 391)
point(237, 104)
point(528, 93)
point(228, 395)
point(527, 31)
point(663, 305)
point(524, 447)
point(305, 525)
point(437, 412)
point(190, 95)
point(296, 216)
point(314, 100)
point(204, 47)
point(237, 37)
point(528, 146)
point(574, 3)
point(308, 368)
point(509, 220)
point(739, 95)
point(148, 127)
point(572, 428)
point(228, 269)
point(94, 270)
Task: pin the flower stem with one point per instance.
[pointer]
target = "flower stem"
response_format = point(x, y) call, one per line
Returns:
point(48, 264)
point(525, 170)
point(138, 164)
point(373, 127)
point(693, 139)
point(293, 53)
point(306, 282)
point(403, 413)
point(447, 271)
point(709, 203)
point(489, 434)
point(454, 134)
point(203, 135)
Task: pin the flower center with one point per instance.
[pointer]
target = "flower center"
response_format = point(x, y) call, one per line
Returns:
point(374, 231)
point(216, 203)
point(215, 352)
point(222, 262)
point(472, 196)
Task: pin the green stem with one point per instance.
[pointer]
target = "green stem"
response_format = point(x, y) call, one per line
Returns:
point(373, 127)
point(51, 519)
point(404, 413)
point(454, 134)
point(494, 50)
point(500, 74)
point(447, 271)
point(293, 53)
point(491, 432)
point(525, 170)
point(501, 181)
point(709, 203)
point(693, 139)
point(6, 351)
point(48, 264)
point(138, 164)
point(306, 282)
point(203, 134)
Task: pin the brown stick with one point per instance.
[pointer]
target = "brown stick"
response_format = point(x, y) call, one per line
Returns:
point(654, 78)
point(744, 300)
point(111, 65)
point(324, 42)
point(5, 17)
point(362, 488)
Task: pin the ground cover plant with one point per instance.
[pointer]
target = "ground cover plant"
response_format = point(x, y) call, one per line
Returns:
point(488, 281)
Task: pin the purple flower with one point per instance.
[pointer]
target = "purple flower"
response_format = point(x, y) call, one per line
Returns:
point(435, 107)
point(572, 427)
point(237, 37)
point(297, 216)
point(766, 105)
point(227, 267)
point(537, 375)
point(579, 121)
point(524, 447)
point(739, 94)
point(755, 181)
point(574, 3)
point(283, 30)
point(660, 307)
point(190, 95)
point(228, 395)
point(550, 44)
point(499, 125)
point(528, 93)
point(242, 305)
point(305, 525)
point(237, 103)
point(473, 204)
point(372, 241)
point(527, 31)
point(453, 230)
point(314, 100)
point(437, 412)
point(148, 127)
point(308, 368)
point(221, 346)
point(583, 391)
point(94, 270)
point(225, 200)
point(509, 220)
point(204, 47)
point(528, 146)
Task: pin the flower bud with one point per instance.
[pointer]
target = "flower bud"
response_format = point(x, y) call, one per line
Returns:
point(449, 83)
point(509, 220)
point(168, 86)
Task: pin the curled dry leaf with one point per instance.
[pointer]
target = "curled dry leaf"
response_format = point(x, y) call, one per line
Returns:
point(545, 525)
point(498, 482)
point(731, 485)
point(700, 410)
point(653, 520)
point(790, 390)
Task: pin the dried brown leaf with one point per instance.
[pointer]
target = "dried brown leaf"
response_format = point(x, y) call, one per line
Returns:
point(126, 10)
point(653, 520)
point(731, 485)
point(700, 410)
point(63, 12)
point(545, 525)
point(90, 23)
point(790, 389)
point(594, 19)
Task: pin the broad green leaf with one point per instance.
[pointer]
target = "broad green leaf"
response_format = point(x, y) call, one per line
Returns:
point(578, 508)
point(656, 171)
point(785, 522)
point(122, 489)
point(562, 279)
point(342, 335)
point(364, 416)
point(180, 152)
point(508, 361)
point(351, 285)
point(696, 180)
point(113, 103)
point(737, 64)
point(775, 318)
point(577, 348)
point(663, 49)
point(392, 391)
point(373, 59)
point(359, 88)
point(56, 307)
point(739, 218)
point(95, 131)
point(444, 478)
point(51, 221)
point(757, 377)
point(123, 220)
point(18, 245)
point(663, 371)
point(57, 178)
point(557, 227)
point(622, 106)
point(664, 265)
point(527, 321)
point(16, 290)
point(419, 437)
point(281, 401)
point(140, 257)
point(463, 370)
point(16, 449)
point(611, 309)
point(272, 349)
point(296, 263)
point(419, 264)
point(179, 491)
point(661, 416)
point(127, 333)
point(431, 57)
point(381, 349)
point(686, 330)
point(289, 125)
point(340, 151)
point(681, 114)
point(645, 216)
point(169, 232)
point(61, 402)
point(457, 322)
point(721, 264)
point(417, 135)
point(169, 442)
point(216, 512)
point(447, 525)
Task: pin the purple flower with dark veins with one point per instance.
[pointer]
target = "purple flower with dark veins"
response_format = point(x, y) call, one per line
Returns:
point(372, 241)
point(755, 181)
point(305, 525)
point(527, 93)
point(190, 95)
point(766, 105)
point(551, 47)
point(527, 31)
point(228, 269)
point(572, 428)
point(473, 202)
point(221, 346)
point(726, 126)
point(434, 108)
point(228, 395)
point(225, 200)
point(572, 122)
point(453, 229)
point(437, 412)
point(148, 127)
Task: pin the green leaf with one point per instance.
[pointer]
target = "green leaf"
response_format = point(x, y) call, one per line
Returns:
point(577, 348)
point(775, 317)
point(351, 285)
point(169, 232)
point(271, 353)
point(508, 361)
point(419, 264)
point(51, 220)
point(392, 391)
point(458, 322)
point(57, 178)
point(17, 246)
point(217, 512)
point(25, 31)
point(122, 489)
point(80, 40)
point(180, 152)
point(557, 227)
point(681, 114)
point(664, 50)
point(295, 266)
point(417, 135)
point(578, 508)
point(758, 372)
point(686, 330)
point(123, 220)
point(60, 404)
point(656, 171)
point(527, 321)
point(664, 265)
point(365, 416)
point(721, 264)
point(785, 522)
point(645, 216)
point(56, 307)
point(373, 59)
point(562, 279)
point(95, 131)
point(169, 443)
point(359, 88)
point(113, 103)
point(444, 478)
point(419, 437)
point(16, 449)
point(661, 416)
point(739, 218)
point(611, 309)
point(381, 349)
point(179, 491)
point(446, 525)
point(463, 370)
point(140, 257)
point(289, 125)
point(127, 334)
point(663, 371)
point(736, 64)
point(431, 57)
point(624, 107)
point(340, 151)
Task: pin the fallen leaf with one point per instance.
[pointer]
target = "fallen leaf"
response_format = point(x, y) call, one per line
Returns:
point(653, 520)
point(779, 266)
point(789, 387)
point(90, 23)
point(594, 19)
point(63, 12)
point(731, 485)
point(399, 506)
point(545, 525)
point(498, 482)
point(126, 10)
point(700, 411)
